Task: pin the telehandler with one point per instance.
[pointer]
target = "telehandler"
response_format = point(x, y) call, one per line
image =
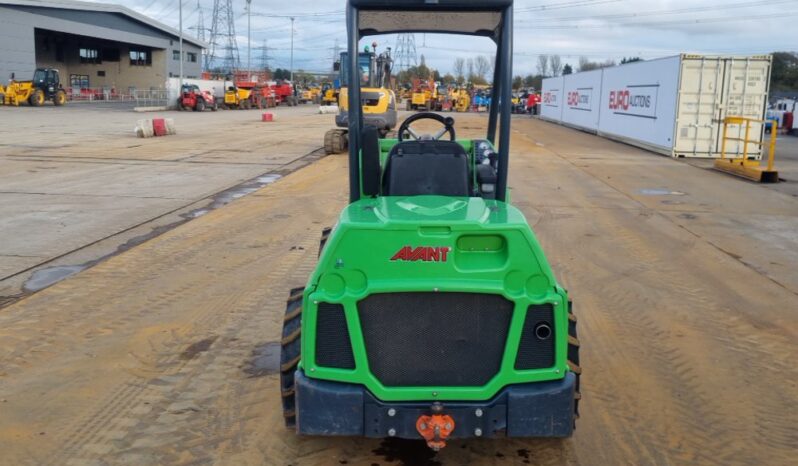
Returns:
point(45, 85)
point(432, 312)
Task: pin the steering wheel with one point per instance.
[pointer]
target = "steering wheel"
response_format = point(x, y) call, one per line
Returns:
point(447, 122)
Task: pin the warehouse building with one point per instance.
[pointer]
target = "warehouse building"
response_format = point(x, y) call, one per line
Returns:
point(93, 45)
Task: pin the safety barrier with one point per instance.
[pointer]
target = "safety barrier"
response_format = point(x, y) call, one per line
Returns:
point(139, 97)
point(745, 166)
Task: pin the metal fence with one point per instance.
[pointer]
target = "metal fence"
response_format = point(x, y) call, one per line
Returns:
point(158, 97)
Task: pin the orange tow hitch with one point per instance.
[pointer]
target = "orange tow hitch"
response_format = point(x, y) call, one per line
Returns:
point(435, 429)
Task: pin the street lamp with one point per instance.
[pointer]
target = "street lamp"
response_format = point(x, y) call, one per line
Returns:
point(249, 39)
point(292, 50)
point(180, 87)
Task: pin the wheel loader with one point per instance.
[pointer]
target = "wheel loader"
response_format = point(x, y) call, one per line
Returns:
point(432, 313)
point(45, 85)
point(378, 100)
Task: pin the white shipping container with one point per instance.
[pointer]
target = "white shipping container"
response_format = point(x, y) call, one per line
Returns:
point(638, 103)
point(674, 106)
point(582, 95)
point(551, 99)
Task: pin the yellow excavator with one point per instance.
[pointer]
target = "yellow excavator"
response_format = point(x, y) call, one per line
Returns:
point(378, 99)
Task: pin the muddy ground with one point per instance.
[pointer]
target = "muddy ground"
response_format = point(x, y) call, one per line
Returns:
point(685, 282)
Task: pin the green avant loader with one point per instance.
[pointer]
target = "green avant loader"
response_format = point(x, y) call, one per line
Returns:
point(432, 313)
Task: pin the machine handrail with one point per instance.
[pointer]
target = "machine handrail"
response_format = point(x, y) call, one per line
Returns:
point(739, 120)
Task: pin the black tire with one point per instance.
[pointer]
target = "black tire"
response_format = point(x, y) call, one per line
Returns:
point(290, 354)
point(329, 142)
point(2, 99)
point(37, 98)
point(200, 105)
point(573, 358)
point(60, 98)
point(179, 105)
point(335, 141)
point(214, 107)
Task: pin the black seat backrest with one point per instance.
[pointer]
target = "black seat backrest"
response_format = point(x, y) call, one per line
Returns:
point(417, 168)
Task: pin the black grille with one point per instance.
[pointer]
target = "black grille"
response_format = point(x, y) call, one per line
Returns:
point(535, 352)
point(333, 348)
point(434, 339)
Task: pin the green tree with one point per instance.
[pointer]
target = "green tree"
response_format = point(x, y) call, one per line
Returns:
point(784, 74)
point(518, 82)
point(625, 60)
point(533, 81)
point(567, 69)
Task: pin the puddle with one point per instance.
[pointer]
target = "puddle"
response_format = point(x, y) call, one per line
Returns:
point(196, 348)
point(660, 192)
point(266, 179)
point(265, 360)
point(249, 187)
point(407, 452)
point(43, 278)
point(196, 213)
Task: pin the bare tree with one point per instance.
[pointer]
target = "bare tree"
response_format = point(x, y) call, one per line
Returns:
point(482, 66)
point(543, 65)
point(470, 68)
point(556, 65)
point(459, 68)
point(586, 65)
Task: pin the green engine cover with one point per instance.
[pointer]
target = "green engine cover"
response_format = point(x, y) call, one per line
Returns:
point(433, 244)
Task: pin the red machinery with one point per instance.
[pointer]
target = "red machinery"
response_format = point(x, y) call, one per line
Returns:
point(192, 98)
point(261, 95)
point(284, 93)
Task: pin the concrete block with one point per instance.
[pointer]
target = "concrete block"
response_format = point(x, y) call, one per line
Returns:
point(144, 129)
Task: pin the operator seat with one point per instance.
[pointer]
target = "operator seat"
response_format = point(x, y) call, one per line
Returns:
point(426, 167)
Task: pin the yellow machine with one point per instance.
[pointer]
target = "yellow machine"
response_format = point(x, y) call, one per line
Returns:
point(329, 94)
point(311, 94)
point(423, 96)
point(236, 97)
point(315, 94)
point(46, 85)
point(461, 100)
point(746, 164)
point(379, 101)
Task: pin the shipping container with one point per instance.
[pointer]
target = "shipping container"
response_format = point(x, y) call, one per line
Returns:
point(551, 99)
point(582, 94)
point(674, 106)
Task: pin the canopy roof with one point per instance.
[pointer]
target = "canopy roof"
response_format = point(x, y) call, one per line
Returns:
point(478, 17)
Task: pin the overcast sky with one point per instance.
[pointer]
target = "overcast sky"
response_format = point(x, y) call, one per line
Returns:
point(597, 29)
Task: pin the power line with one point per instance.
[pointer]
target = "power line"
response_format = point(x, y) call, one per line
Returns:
point(223, 37)
point(678, 11)
point(406, 54)
point(561, 5)
point(681, 22)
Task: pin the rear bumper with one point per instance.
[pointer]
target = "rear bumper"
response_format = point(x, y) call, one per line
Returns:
point(542, 409)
